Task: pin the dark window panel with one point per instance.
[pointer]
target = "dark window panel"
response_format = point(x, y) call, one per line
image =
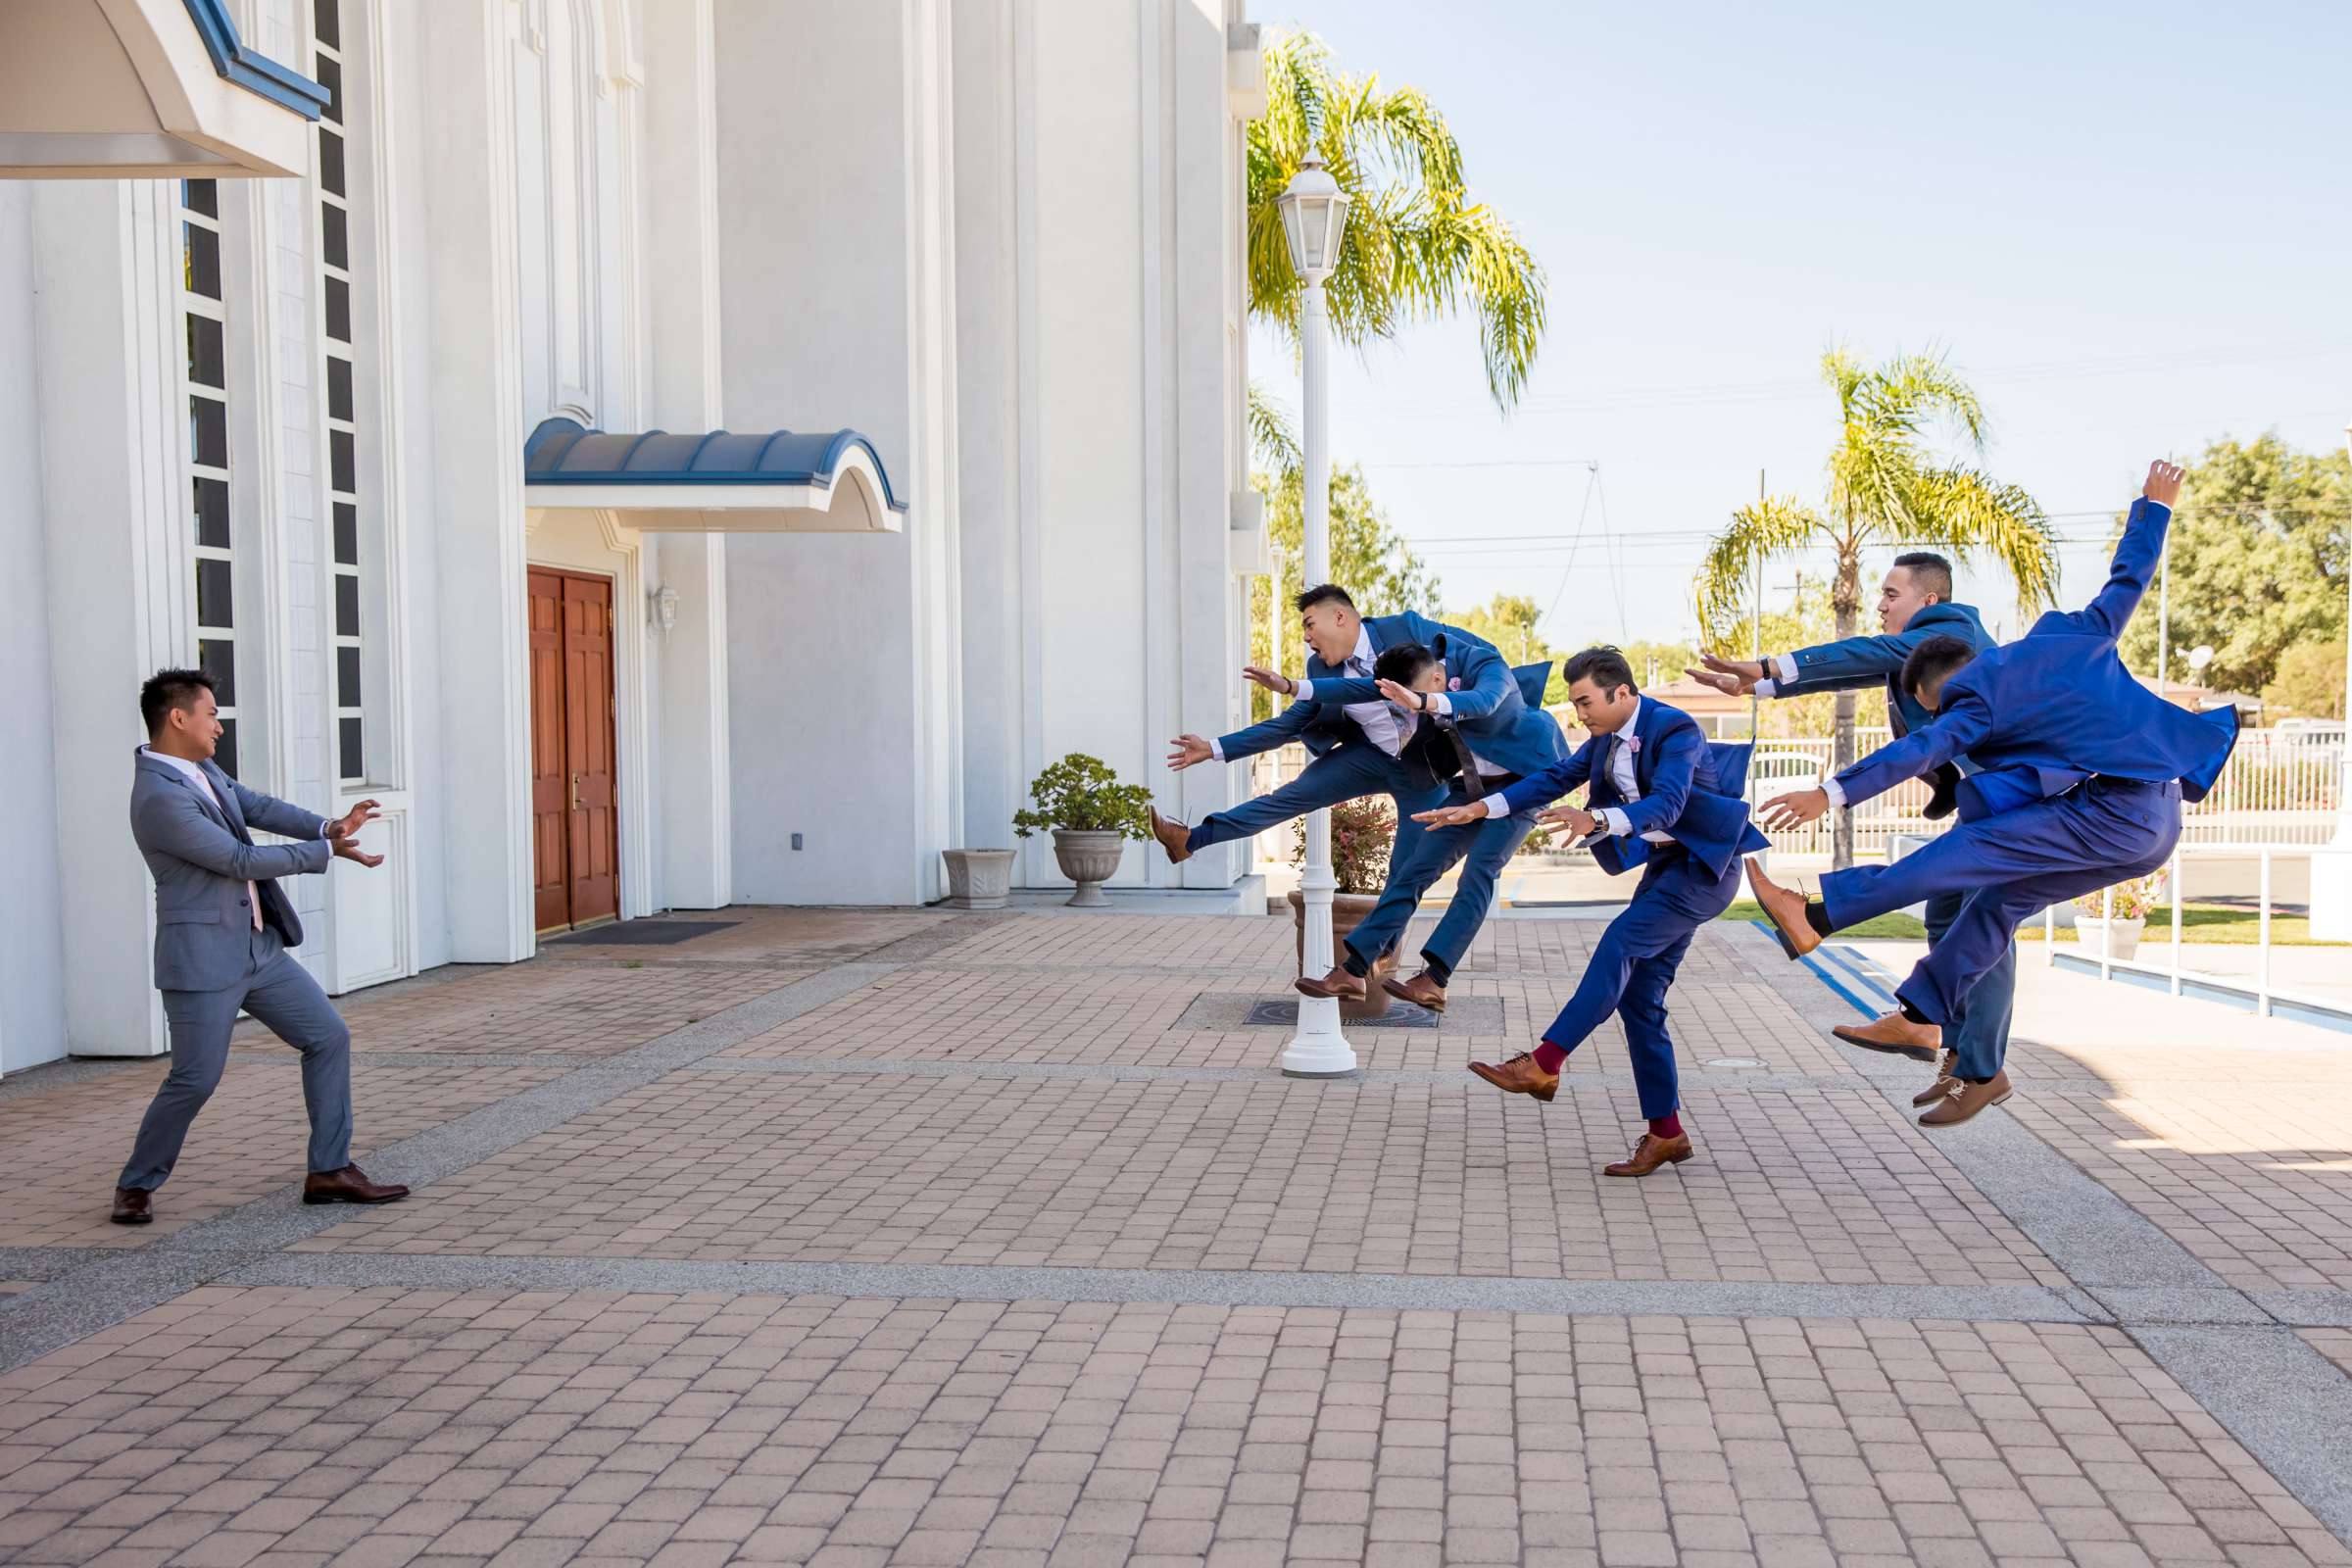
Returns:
point(330, 77)
point(212, 513)
point(335, 228)
point(338, 387)
point(225, 754)
point(326, 22)
point(347, 534)
point(202, 249)
point(351, 758)
point(347, 606)
point(201, 196)
point(218, 660)
point(347, 677)
point(214, 607)
point(338, 310)
point(330, 161)
point(207, 357)
point(344, 452)
point(208, 432)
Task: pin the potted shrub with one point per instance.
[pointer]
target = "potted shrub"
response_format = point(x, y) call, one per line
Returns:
point(1091, 815)
point(1361, 834)
point(2118, 938)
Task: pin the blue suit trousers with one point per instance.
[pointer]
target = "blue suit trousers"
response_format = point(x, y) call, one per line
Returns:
point(1979, 1028)
point(1635, 962)
point(1483, 848)
point(2005, 867)
point(1342, 773)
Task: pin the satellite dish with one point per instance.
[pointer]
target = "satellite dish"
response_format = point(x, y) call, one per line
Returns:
point(2200, 656)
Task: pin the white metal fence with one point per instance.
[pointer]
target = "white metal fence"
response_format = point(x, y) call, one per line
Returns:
point(2280, 788)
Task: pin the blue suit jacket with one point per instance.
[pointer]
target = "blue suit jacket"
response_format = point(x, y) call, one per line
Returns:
point(1498, 716)
point(1857, 663)
point(1691, 791)
point(2043, 713)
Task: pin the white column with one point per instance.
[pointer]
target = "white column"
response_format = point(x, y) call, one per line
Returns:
point(1318, 1050)
point(2331, 873)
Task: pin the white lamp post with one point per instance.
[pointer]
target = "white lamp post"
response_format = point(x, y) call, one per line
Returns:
point(2331, 874)
point(1313, 214)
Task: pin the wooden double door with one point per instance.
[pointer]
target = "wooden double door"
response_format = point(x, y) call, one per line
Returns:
point(575, 825)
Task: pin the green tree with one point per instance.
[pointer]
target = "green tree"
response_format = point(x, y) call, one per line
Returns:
point(1368, 558)
point(2310, 684)
point(1886, 488)
point(2257, 568)
point(1415, 247)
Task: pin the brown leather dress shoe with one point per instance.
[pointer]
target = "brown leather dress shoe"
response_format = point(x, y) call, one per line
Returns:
point(1339, 983)
point(350, 1185)
point(130, 1206)
point(1785, 909)
point(1175, 837)
point(1520, 1076)
point(1895, 1034)
point(1943, 1085)
point(1421, 991)
point(1965, 1099)
point(1651, 1153)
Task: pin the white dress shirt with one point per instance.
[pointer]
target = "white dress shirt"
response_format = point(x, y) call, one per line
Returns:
point(203, 781)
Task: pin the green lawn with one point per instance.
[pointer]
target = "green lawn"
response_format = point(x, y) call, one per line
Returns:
point(2199, 922)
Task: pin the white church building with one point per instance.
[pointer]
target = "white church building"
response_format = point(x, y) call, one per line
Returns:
point(669, 453)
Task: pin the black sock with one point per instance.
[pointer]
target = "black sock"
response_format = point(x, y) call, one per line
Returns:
point(1911, 1012)
point(1817, 916)
point(1438, 969)
point(1976, 1080)
point(1354, 964)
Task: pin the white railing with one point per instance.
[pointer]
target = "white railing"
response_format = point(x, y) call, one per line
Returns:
point(2255, 982)
point(2280, 789)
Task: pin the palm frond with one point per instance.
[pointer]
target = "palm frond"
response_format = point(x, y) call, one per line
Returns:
point(1757, 531)
point(1273, 439)
point(1973, 514)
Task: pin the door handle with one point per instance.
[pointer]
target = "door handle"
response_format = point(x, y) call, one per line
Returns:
point(575, 792)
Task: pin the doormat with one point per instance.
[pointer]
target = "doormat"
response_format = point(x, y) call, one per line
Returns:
point(1467, 1015)
point(643, 933)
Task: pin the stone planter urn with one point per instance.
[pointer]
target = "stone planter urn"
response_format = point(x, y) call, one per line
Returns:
point(2119, 937)
point(1089, 858)
point(979, 879)
point(1346, 909)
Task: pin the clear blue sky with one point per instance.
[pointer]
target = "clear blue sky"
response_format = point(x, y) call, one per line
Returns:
point(2131, 225)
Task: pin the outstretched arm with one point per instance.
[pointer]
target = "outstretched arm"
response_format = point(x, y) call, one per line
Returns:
point(2136, 556)
point(171, 822)
point(1536, 789)
point(1964, 722)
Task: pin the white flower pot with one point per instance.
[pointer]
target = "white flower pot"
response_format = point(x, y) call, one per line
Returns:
point(979, 879)
point(1090, 859)
point(2121, 937)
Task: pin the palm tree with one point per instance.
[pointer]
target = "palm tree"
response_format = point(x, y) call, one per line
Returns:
point(1884, 489)
point(1414, 247)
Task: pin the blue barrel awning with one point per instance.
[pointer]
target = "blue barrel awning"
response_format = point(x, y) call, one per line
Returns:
point(718, 481)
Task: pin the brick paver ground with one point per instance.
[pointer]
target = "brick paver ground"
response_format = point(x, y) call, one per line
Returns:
point(1060, 1118)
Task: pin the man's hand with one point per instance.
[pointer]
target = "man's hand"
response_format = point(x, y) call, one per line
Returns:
point(1795, 808)
point(1404, 696)
point(1280, 685)
point(1450, 815)
point(1190, 749)
point(1734, 677)
point(351, 821)
point(2164, 483)
point(348, 848)
point(1575, 818)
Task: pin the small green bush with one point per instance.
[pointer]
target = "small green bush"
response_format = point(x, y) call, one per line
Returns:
point(1083, 794)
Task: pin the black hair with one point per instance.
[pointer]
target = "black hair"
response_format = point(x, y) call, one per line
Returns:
point(1604, 665)
point(167, 690)
point(1932, 662)
point(1402, 663)
point(1929, 571)
point(1329, 593)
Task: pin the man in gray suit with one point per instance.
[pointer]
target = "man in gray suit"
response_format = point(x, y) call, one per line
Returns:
point(223, 935)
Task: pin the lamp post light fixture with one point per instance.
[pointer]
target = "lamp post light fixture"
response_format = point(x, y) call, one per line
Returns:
point(2332, 869)
point(1315, 214)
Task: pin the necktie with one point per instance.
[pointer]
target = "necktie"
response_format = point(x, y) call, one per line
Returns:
point(253, 894)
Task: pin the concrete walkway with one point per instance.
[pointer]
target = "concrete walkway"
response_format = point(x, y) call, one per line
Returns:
point(923, 1238)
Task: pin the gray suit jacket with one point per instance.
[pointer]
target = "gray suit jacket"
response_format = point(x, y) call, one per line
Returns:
point(202, 856)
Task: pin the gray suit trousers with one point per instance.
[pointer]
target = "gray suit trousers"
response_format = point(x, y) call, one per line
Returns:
point(280, 993)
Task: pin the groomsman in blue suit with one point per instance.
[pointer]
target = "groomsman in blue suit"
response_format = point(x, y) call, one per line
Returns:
point(1356, 741)
point(1914, 605)
point(1662, 798)
point(1481, 724)
point(2080, 774)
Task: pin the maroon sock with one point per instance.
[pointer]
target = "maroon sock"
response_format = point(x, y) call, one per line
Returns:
point(1669, 1125)
point(1548, 1056)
